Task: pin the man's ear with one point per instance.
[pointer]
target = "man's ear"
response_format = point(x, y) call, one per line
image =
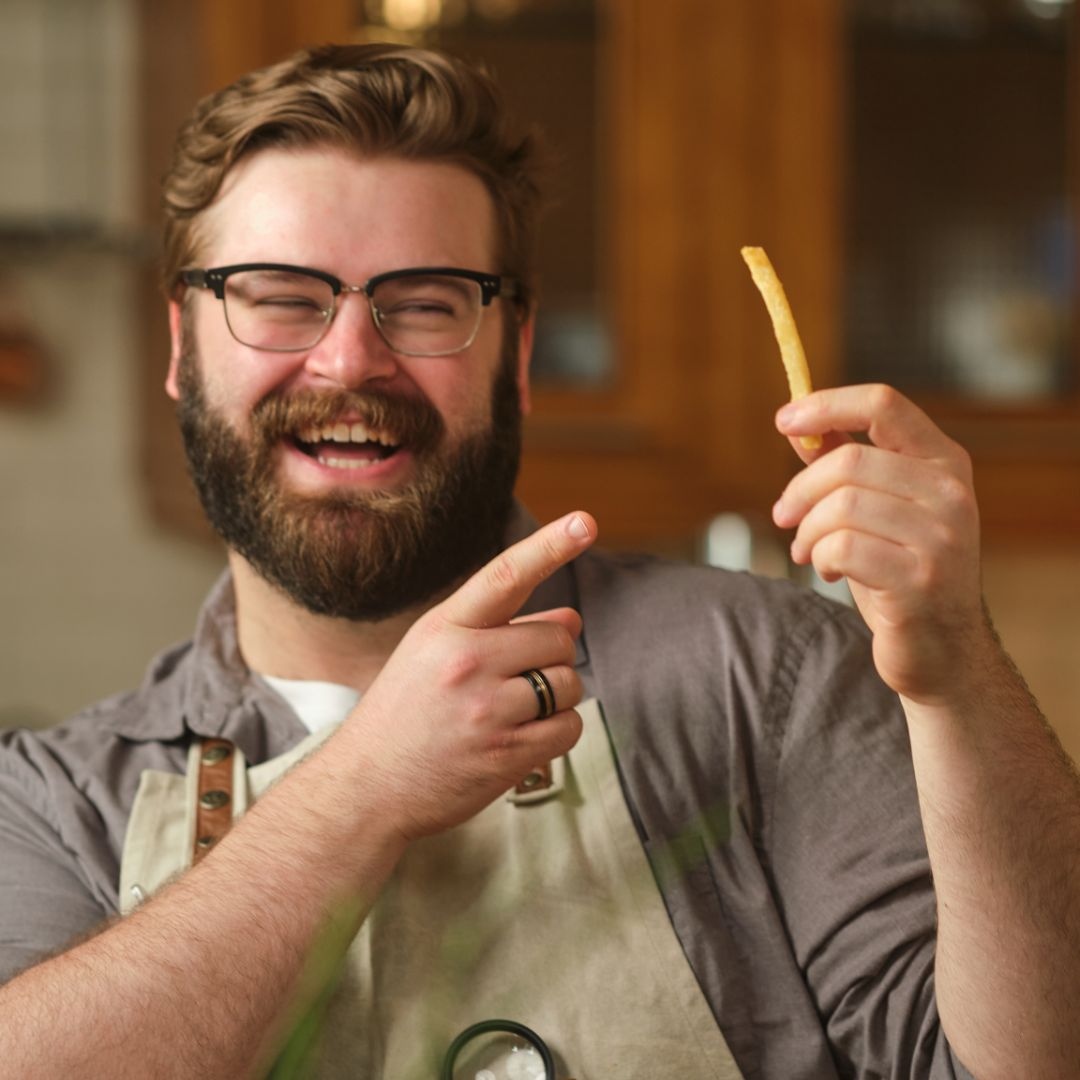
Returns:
point(526, 334)
point(176, 334)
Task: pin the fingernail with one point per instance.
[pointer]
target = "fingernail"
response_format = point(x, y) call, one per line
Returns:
point(788, 414)
point(577, 528)
point(782, 514)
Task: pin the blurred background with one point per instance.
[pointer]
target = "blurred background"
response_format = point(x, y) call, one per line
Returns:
point(910, 165)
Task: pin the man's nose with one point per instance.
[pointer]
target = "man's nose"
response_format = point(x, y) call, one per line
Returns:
point(352, 353)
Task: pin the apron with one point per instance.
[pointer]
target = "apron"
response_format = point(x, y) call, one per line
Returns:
point(542, 909)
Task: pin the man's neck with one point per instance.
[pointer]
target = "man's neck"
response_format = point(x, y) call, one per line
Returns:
point(279, 637)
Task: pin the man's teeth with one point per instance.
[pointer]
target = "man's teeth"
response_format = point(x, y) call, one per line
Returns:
point(345, 433)
point(345, 463)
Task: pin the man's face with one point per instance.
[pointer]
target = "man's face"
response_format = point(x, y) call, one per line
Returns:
point(367, 528)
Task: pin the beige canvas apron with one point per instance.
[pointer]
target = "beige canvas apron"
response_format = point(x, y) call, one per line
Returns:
point(542, 910)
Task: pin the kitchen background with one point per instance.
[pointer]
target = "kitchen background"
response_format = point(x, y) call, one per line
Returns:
point(909, 163)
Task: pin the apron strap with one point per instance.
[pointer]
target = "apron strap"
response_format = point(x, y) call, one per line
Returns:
point(214, 796)
point(539, 779)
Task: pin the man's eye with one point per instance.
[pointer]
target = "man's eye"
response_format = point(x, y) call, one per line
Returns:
point(421, 306)
point(288, 301)
point(426, 300)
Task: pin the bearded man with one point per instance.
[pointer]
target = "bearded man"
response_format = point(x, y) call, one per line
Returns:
point(452, 791)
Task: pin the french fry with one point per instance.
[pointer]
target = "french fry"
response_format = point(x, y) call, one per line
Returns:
point(783, 324)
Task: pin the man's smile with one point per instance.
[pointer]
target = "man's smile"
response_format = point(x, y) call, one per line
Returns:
point(347, 438)
point(347, 445)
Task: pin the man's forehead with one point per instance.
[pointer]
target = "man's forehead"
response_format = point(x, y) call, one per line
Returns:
point(284, 197)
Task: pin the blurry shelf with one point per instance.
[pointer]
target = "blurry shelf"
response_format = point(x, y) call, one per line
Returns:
point(47, 238)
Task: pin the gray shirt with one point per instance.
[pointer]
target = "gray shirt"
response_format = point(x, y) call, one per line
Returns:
point(765, 765)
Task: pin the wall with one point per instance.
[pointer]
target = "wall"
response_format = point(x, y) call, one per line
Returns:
point(1034, 596)
point(88, 586)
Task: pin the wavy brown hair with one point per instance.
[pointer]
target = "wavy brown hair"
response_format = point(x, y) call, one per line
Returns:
point(370, 99)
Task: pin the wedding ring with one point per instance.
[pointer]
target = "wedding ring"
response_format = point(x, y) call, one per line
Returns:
point(545, 696)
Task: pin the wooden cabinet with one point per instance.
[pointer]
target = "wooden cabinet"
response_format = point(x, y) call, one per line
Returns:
point(726, 125)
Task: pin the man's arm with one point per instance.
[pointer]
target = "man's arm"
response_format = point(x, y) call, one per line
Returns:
point(201, 978)
point(1000, 800)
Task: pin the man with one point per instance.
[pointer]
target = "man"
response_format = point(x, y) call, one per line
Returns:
point(713, 866)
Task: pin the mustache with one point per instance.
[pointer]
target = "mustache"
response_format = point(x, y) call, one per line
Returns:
point(412, 421)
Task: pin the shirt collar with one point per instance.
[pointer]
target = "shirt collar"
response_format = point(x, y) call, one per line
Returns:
point(204, 687)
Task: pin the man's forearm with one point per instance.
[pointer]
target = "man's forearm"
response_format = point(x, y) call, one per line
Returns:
point(199, 981)
point(1001, 810)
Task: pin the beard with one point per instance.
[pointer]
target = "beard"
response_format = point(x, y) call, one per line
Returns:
point(358, 555)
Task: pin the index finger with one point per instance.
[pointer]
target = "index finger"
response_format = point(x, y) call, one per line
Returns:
point(496, 592)
point(892, 421)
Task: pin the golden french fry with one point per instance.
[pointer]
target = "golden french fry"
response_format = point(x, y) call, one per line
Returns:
point(783, 324)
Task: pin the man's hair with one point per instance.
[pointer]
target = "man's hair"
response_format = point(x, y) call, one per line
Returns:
point(371, 99)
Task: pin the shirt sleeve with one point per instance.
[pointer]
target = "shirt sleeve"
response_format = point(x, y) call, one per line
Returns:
point(45, 900)
point(849, 861)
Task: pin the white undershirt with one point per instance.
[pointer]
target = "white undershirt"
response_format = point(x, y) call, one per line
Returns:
point(316, 703)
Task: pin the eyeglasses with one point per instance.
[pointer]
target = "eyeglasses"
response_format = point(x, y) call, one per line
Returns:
point(421, 311)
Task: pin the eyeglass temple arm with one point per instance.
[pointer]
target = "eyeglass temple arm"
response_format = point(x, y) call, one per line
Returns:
point(508, 288)
point(203, 279)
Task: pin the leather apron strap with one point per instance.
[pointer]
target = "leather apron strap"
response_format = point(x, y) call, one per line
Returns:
point(214, 809)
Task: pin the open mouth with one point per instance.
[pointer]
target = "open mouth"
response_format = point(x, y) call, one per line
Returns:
point(345, 445)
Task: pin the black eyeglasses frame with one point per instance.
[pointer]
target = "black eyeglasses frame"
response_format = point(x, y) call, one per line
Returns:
point(491, 285)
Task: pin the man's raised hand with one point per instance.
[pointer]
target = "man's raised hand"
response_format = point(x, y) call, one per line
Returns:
point(897, 517)
point(449, 724)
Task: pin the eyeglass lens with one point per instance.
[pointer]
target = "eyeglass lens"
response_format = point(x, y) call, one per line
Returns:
point(422, 315)
point(499, 1055)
